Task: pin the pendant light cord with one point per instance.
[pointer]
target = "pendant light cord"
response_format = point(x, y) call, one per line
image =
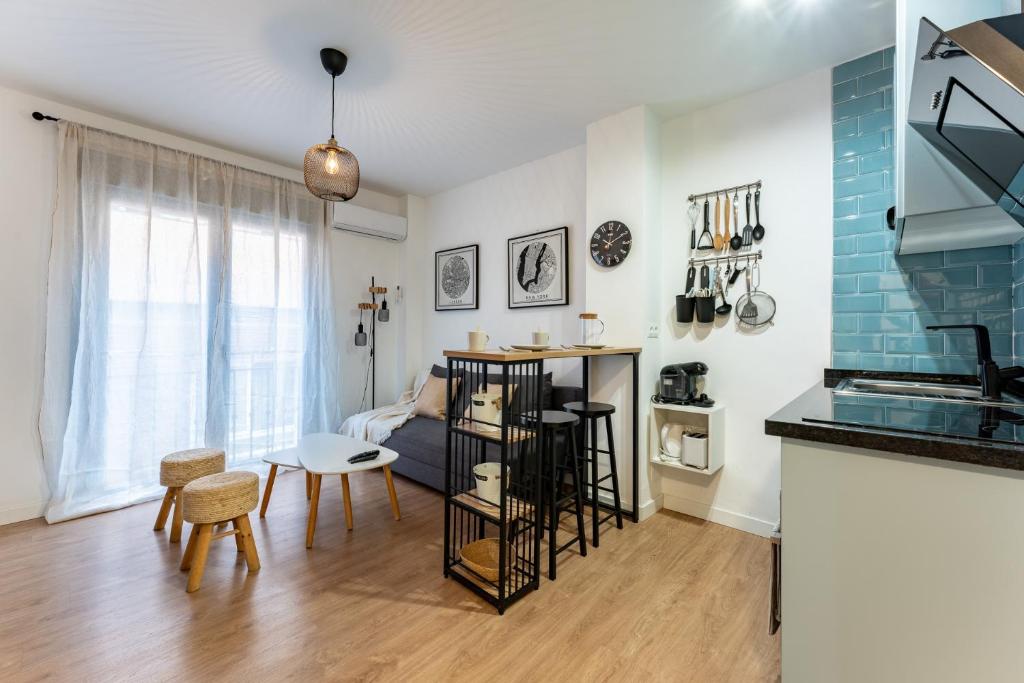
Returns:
point(333, 79)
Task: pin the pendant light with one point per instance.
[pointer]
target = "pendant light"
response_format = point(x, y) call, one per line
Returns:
point(331, 172)
point(360, 339)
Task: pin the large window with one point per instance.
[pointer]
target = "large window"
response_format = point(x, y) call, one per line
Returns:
point(189, 306)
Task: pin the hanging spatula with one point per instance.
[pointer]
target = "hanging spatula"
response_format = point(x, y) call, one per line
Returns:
point(748, 229)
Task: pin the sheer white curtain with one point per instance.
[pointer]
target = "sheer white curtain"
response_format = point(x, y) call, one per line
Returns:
point(189, 305)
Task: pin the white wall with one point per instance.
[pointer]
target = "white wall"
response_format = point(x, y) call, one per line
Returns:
point(547, 193)
point(623, 183)
point(783, 136)
point(26, 196)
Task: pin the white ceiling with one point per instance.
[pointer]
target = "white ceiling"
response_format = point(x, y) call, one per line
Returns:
point(437, 92)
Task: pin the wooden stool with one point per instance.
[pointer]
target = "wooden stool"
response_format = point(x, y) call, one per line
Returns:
point(210, 500)
point(178, 469)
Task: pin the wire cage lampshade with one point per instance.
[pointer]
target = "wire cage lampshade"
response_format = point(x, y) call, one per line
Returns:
point(329, 170)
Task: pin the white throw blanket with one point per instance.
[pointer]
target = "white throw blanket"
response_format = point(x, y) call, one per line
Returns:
point(377, 425)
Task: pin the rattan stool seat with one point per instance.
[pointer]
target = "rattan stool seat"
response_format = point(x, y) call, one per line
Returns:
point(178, 469)
point(221, 497)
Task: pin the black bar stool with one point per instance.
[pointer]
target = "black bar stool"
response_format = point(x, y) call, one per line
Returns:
point(553, 497)
point(591, 412)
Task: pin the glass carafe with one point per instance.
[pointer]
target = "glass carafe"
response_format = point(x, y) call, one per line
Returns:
point(591, 329)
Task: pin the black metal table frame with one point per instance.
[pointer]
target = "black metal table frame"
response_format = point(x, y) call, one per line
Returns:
point(634, 512)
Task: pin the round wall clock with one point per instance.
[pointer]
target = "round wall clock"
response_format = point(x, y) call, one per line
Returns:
point(610, 243)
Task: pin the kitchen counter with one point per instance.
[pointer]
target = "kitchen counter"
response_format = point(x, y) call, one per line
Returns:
point(945, 431)
point(900, 541)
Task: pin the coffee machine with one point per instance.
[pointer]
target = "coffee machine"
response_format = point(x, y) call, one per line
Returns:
point(683, 384)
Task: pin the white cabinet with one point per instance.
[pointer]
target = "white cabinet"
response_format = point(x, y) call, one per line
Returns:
point(708, 421)
point(899, 568)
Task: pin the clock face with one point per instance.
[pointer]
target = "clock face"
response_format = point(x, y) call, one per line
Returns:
point(610, 244)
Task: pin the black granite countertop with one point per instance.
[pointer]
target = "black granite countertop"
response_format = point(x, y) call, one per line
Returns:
point(946, 431)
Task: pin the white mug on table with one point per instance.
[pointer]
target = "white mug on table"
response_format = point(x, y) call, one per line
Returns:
point(478, 340)
point(540, 338)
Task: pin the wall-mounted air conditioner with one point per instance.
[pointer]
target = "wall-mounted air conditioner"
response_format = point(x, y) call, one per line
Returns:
point(351, 218)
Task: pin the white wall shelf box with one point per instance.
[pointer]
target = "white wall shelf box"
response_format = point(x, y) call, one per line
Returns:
point(710, 421)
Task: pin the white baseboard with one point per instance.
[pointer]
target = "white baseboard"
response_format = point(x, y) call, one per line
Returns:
point(648, 509)
point(718, 515)
point(22, 513)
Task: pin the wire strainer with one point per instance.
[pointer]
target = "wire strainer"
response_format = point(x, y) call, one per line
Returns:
point(755, 308)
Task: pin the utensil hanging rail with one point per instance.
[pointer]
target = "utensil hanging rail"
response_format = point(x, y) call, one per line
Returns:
point(752, 256)
point(756, 185)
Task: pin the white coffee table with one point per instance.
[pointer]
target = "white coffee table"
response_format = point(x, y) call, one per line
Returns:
point(322, 454)
point(289, 457)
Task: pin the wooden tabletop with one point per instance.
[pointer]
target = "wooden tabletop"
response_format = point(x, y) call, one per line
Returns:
point(554, 352)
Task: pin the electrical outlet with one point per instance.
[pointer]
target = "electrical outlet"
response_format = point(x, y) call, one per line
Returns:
point(653, 330)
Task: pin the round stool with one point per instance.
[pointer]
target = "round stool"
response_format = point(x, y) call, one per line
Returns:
point(556, 464)
point(591, 412)
point(215, 498)
point(178, 469)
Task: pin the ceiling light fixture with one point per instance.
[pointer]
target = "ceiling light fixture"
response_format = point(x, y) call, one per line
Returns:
point(330, 171)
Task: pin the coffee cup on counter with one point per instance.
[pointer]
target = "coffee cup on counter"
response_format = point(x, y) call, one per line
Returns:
point(478, 340)
point(541, 338)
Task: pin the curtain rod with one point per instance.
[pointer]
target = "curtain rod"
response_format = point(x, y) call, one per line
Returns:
point(38, 116)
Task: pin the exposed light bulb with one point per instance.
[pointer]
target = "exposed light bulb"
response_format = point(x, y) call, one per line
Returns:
point(331, 165)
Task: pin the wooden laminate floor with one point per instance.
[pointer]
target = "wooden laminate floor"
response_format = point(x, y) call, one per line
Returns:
point(101, 599)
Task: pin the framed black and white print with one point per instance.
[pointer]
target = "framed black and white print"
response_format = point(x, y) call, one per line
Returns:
point(456, 285)
point(538, 269)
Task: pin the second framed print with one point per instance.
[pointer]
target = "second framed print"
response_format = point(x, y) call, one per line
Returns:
point(456, 281)
point(538, 269)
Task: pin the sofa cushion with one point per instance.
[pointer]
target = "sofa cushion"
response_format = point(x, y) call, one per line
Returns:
point(430, 402)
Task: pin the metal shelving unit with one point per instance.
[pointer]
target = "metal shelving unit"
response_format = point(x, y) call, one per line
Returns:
point(515, 442)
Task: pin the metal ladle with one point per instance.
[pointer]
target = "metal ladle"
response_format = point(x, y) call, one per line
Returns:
point(726, 307)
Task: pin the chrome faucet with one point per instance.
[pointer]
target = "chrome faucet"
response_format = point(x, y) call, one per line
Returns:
point(993, 378)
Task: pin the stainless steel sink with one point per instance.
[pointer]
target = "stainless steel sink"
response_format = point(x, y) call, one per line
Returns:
point(922, 391)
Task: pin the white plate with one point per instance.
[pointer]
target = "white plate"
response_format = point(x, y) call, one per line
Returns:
point(589, 346)
point(531, 347)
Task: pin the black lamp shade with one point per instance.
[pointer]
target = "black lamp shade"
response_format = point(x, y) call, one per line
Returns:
point(360, 336)
point(331, 172)
point(384, 315)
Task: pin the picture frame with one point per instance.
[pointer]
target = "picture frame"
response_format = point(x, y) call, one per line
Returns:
point(538, 269)
point(456, 278)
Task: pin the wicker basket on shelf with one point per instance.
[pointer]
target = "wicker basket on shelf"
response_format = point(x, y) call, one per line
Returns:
point(482, 557)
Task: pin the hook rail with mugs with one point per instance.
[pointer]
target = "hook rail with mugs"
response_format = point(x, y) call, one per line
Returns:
point(720, 258)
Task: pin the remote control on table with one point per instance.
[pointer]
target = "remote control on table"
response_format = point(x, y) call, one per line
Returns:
point(363, 457)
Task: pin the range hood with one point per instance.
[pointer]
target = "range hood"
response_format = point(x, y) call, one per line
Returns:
point(963, 166)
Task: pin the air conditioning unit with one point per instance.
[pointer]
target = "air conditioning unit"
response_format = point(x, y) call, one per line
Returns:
point(352, 218)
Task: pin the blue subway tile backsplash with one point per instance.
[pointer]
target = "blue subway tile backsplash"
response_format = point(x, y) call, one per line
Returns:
point(882, 303)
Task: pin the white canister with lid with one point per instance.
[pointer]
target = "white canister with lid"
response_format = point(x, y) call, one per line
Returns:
point(488, 481)
point(486, 408)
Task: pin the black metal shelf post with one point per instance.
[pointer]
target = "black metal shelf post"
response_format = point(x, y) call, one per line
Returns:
point(514, 443)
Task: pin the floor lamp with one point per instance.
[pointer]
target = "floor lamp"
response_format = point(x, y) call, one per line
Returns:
point(378, 313)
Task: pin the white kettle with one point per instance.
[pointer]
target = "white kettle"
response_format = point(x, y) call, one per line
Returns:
point(671, 441)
